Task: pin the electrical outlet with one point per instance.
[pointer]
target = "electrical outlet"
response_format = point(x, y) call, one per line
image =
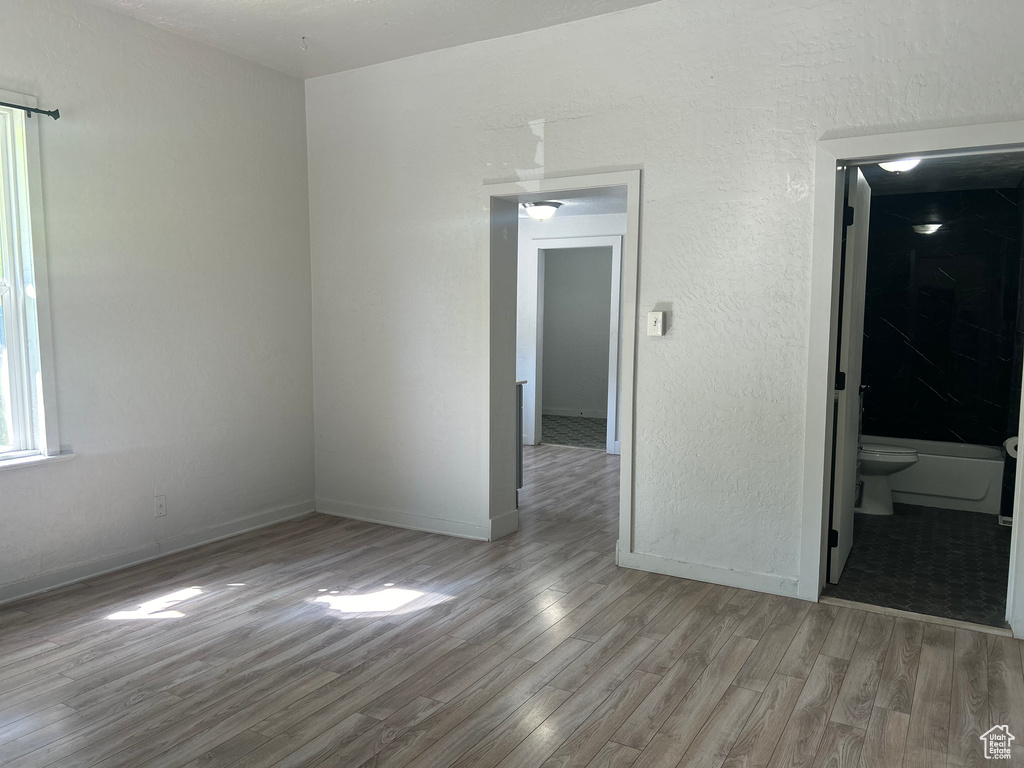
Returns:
point(159, 506)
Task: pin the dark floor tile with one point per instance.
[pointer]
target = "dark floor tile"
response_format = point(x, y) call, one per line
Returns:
point(578, 431)
point(939, 562)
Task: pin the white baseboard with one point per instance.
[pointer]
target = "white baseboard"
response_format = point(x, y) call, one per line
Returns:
point(574, 412)
point(757, 582)
point(403, 520)
point(38, 584)
point(505, 524)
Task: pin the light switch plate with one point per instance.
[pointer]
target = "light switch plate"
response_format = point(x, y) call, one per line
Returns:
point(655, 323)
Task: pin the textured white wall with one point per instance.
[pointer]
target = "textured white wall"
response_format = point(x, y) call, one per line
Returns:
point(177, 224)
point(526, 306)
point(720, 103)
point(577, 314)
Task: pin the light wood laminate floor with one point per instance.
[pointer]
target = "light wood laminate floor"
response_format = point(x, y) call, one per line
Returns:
point(327, 642)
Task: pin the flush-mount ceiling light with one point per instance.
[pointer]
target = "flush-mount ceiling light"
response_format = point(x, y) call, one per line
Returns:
point(927, 229)
point(541, 211)
point(897, 166)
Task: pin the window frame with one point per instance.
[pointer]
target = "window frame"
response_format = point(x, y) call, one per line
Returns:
point(26, 306)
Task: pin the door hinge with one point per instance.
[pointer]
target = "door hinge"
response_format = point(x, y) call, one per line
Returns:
point(848, 216)
point(833, 538)
point(840, 381)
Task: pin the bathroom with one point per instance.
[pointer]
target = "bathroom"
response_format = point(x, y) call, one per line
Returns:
point(939, 386)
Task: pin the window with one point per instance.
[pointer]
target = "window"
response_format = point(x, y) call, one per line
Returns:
point(27, 418)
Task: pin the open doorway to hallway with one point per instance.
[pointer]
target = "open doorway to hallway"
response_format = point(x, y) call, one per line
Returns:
point(569, 322)
point(568, 339)
point(590, 236)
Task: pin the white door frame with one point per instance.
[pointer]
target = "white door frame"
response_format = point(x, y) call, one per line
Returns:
point(501, 200)
point(831, 157)
point(541, 244)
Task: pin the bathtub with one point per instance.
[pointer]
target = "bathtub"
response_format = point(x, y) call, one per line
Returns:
point(948, 475)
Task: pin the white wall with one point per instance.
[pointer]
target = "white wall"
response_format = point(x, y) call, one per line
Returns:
point(720, 104)
point(577, 313)
point(177, 223)
point(526, 306)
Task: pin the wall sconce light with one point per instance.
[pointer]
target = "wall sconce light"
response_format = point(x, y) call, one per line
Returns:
point(927, 229)
point(541, 211)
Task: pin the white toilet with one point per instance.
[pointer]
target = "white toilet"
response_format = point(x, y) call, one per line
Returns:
point(877, 462)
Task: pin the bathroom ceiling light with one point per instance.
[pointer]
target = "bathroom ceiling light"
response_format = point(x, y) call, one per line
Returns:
point(927, 229)
point(896, 166)
point(541, 211)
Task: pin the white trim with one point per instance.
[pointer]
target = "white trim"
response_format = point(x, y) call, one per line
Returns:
point(758, 582)
point(33, 460)
point(614, 343)
point(408, 520)
point(36, 585)
point(539, 246)
point(500, 391)
point(503, 525)
point(820, 372)
point(538, 347)
point(627, 397)
point(829, 156)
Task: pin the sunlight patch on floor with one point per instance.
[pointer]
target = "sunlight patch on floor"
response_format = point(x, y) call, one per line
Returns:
point(158, 608)
point(383, 601)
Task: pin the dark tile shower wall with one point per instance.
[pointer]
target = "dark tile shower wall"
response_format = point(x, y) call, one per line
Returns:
point(941, 317)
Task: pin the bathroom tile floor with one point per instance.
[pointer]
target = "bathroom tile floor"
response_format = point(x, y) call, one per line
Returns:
point(577, 431)
point(939, 562)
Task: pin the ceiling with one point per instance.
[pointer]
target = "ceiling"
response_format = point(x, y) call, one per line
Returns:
point(588, 202)
point(346, 34)
point(996, 170)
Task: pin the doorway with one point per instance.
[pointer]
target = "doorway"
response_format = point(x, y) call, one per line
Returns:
point(844, 168)
point(570, 340)
point(505, 204)
point(927, 345)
